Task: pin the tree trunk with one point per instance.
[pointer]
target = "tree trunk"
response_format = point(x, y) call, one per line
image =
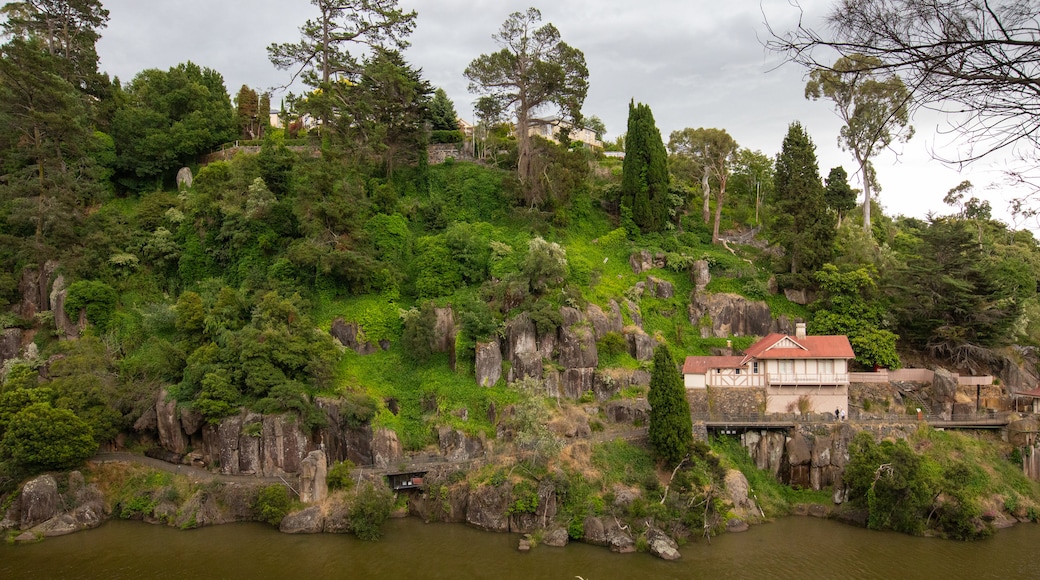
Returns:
point(706, 187)
point(865, 172)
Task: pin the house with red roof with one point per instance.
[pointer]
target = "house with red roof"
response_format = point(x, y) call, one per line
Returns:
point(787, 367)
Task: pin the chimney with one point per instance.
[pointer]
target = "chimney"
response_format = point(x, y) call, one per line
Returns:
point(799, 330)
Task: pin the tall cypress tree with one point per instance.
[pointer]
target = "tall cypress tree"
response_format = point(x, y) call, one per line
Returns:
point(671, 427)
point(802, 225)
point(644, 185)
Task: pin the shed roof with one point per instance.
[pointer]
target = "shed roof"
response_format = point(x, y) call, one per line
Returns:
point(698, 365)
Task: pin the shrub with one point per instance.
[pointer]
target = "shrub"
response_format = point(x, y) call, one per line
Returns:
point(339, 475)
point(612, 344)
point(97, 298)
point(272, 504)
point(370, 510)
point(40, 436)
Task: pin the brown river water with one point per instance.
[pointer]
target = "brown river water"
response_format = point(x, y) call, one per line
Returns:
point(788, 548)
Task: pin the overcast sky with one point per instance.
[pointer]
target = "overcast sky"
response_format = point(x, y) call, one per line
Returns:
point(697, 63)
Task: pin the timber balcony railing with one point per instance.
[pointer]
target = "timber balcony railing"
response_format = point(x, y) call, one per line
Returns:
point(984, 417)
point(808, 379)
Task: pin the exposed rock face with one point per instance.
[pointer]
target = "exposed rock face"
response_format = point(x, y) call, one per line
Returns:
point(545, 512)
point(629, 411)
point(634, 313)
point(65, 326)
point(39, 501)
point(488, 366)
point(574, 382)
point(802, 297)
point(641, 261)
point(608, 382)
point(943, 393)
point(444, 330)
point(556, 537)
point(386, 449)
point(730, 315)
point(737, 489)
point(254, 444)
point(595, 533)
point(488, 508)
point(306, 521)
point(342, 441)
point(313, 471)
point(619, 539)
point(34, 289)
point(526, 364)
point(767, 449)
point(661, 545)
point(171, 436)
point(184, 178)
point(457, 446)
point(601, 322)
point(571, 423)
point(660, 288)
point(348, 334)
point(640, 345)
point(521, 347)
point(10, 343)
point(700, 275)
point(578, 347)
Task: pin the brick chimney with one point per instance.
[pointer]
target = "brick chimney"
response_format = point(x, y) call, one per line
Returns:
point(799, 330)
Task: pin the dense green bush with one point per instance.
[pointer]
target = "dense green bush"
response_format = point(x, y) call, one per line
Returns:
point(370, 510)
point(42, 437)
point(339, 475)
point(96, 298)
point(272, 504)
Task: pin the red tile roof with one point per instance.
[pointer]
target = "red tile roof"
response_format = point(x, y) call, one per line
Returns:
point(698, 365)
point(811, 347)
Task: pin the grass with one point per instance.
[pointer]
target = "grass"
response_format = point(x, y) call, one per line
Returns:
point(775, 498)
point(622, 462)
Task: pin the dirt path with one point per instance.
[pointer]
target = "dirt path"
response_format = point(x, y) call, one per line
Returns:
point(195, 473)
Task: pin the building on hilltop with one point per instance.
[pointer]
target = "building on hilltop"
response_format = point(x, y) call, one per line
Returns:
point(550, 128)
point(795, 372)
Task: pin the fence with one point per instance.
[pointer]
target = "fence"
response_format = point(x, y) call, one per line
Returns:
point(915, 375)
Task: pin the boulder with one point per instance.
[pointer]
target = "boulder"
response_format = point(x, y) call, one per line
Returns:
point(10, 344)
point(660, 288)
point(488, 367)
point(526, 364)
point(737, 491)
point(700, 275)
point(802, 297)
point(59, 525)
point(457, 446)
point(34, 289)
point(944, 387)
point(736, 526)
point(578, 347)
point(619, 539)
point(574, 382)
point(634, 313)
point(63, 324)
point(629, 411)
point(601, 322)
point(640, 345)
point(641, 261)
point(350, 335)
point(556, 537)
point(313, 473)
point(305, 521)
point(799, 451)
point(730, 315)
point(661, 545)
point(39, 501)
point(521, 337)
point(595, 531)
point(386, 449)
point(184, 178)
point(171, 436)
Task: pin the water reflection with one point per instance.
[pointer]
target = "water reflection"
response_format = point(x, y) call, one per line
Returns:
point(788, 548)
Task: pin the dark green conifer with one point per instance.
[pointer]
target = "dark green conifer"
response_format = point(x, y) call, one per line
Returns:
point(671, 428)
point(644, 185)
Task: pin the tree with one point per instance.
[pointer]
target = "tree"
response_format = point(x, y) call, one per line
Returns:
point(442, 112)
point(321, 55)
point(710, 152)
point(42, 437)
point(849, 304)
point(752, 178)
point(247, 110)
point(875, 110)
point(67, 29)
point(839, 194)
point(169, 119)
point(671, 427)
point(801, 223)
point(534, 69)
point(595, 124)
point(644, 182)
point(975, 60)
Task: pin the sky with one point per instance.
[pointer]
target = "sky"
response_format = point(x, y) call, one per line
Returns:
point(696, 63)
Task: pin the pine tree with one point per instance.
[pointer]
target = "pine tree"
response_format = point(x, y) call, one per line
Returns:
point(644, 185)
point(802, 224)
point(442, 112)
point(671, 428)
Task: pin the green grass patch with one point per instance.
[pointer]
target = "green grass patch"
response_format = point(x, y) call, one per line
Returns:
point(622, 462)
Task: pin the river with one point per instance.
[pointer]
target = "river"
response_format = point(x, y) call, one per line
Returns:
point(792, 547)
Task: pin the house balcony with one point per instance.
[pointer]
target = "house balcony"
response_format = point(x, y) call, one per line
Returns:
point(809, 380)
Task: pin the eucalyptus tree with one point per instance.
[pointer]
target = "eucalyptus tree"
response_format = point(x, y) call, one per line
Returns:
point(875, 109)
point(711, 152)
point(533, 69)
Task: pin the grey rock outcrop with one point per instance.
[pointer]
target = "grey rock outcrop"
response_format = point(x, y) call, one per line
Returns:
point(65, 326)
point(700, 275)
point(661, 545)
point(349, 335)
point(629, 411)
point(556, 537)
point(660, 288)
point(305, 521)
point(457, 446)
point(313, 473)
point(641, 261)
point(444, 330)
point(488, 367)
point(737, 491)
point(171, 435)
point(10, 343)
point(386, 448)
point(488, 508)
point(184, 178)
point(608, 382)
point(731, 315)
point(601, 322)
point(34, 288)
point(640, 345)
point(39, 501)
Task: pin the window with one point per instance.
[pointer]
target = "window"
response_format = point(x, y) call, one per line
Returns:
point(786, 366)
point(754, 367)
point(738, 371)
